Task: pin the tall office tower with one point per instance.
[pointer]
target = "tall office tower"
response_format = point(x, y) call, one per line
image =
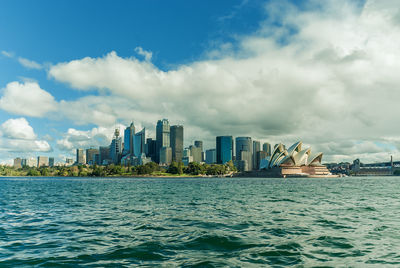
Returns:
point(211, 156)
point(51, 161)
point(177, 143)
point(256, 148)
point(139, 144)
point(31, 162)
point(245, 144)
point(116, 147)
point(151, 148)
point(17, 162)
point(162, 136)
point(90, 154)
point(80, 157)
point(195, 152)
point(199, 144)
point(104, 152)
point(24, 162)
point(43, 161)
point(165, 155)
point(267, 148)
point(224, 147)
point(259, 156)
point(129, 134)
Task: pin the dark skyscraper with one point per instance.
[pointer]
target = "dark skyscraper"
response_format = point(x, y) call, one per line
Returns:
point(151, 148)
point(244, 144)
point(224, 149)
point(162, 136)
point(129, 133)
point(177, 143)
point(267, 148)
point(256, 148)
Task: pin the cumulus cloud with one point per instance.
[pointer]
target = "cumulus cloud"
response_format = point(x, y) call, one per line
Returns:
point(146, 54)
point(325, 75)
point(27, 99)
point(16, 135)
point(30, 64)
point(7, 54)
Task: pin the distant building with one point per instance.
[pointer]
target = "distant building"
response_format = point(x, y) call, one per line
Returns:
point(199, 144)
point(18, 162)
point(80, 157)
point(211, 156)
point(151, 148)
point(195, 152)
point(104, 157)
point(162, 137)
point(129, 133)
point(116, 147)
point(187, 157)
point(224, 148)
point(256, 148)
point(42, 161)
point(31, 162)
point(51, 161)
point(69, 161)
point(267, 148)
point(139, 143)
point(165, 156)
point(176, 143)
point(244, 144)
point(90, 156)
point(260, 156)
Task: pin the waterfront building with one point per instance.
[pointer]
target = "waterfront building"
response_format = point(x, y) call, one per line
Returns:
point(177, 142)
point(23, 162)
point(51, 161)
point(241, 165)
point(211, 156)
point(267, 148)
point(165, 156)
point(129, 134)
point(116, 147)
point(42, 161)
point(162, 136)
point(256, 148)
point(260, 155)
point(17, 162)
point(139, 143)
point(90, 155)
point(80, 157)
point(104, 152)
point(224, 147)
point(31, 162)
point(195, 152)
point(69, 161)
point(244, 144)
point(151, 148)
point(199, 144)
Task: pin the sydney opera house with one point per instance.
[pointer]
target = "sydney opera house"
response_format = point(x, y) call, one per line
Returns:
point(294, 161)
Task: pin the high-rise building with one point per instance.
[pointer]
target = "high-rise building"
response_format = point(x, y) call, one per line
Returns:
point(151, 148)
point(129, 134)
point(139, 143)
point(256, 148)
point(199, 144)
point(31, 162)
point(224, 147)
point(177, 143)
point(116, 147)
point(51, 161)
point(18, 162)
point(80, 157)
point(195, 152)
point(165, 155)
point(162, 136)
point(42, 161)
point(90, 156)
point(259, 156)
point(69, 161)
point(211, 156)
point(267, 148)
point(245, 144)
point(104, 152)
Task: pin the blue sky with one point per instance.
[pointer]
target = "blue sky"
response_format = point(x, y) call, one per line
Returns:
point(218, 67)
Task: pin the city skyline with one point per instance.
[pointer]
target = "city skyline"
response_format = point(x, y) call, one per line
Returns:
point(322, 73)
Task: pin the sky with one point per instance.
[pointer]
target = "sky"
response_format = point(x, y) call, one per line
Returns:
point(324, 72)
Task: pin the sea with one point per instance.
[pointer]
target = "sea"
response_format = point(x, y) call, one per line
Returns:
point(200, 222)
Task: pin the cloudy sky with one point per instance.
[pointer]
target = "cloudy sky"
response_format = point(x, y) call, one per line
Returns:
point(324, 72)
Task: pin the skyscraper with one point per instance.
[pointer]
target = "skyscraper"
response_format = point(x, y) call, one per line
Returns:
point(43, 161)
point(90, 154)
point(51, 161)
point(256, 148)
point(211, 156)
point(151, 148)
point(80, 157)
point(104, 152)
point(224, 146)
point(245, 144)
point(116, 147)
point(177, 143)
point(162, 136)
point(129, 133)
point(199, 144)
point(267, 148)
point(139, 143)
point(195, 152)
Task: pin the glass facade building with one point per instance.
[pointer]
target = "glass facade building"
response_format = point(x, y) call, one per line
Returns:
point(224, 149)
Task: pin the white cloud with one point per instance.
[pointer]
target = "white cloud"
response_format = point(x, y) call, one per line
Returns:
point(146, 54)
point(7, 54)
point(16, 135)
point(30, 64)
point(326, 76)
point(27, 99)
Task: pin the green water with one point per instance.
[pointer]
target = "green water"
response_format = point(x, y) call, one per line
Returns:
point(239, 222)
